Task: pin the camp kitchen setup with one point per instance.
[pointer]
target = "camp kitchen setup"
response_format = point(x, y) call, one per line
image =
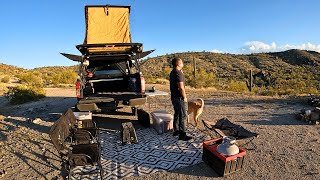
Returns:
point(87, 150)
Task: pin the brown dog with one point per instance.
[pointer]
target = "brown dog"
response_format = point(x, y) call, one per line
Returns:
point(195, 107)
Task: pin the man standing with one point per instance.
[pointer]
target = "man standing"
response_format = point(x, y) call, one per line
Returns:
point(179, 99)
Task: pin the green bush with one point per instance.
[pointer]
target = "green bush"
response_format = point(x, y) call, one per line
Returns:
point(150, 79)
point(64, 77)
point(22, 94)
point(3, 89)
point(263, 91)
point(5, 79)
point(203, 78)
point(162, 81)
point(31, 79)
point(237, 86)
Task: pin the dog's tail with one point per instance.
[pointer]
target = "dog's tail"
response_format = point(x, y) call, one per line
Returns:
point(202, 102)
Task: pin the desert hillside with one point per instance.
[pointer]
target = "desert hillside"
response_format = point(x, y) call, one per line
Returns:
point(292, 70)
point(284, 73)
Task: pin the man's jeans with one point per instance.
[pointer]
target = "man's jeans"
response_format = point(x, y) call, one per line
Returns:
point(180, 114)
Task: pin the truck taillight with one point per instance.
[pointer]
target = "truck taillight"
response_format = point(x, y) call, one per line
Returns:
point(78, 89)
point(143, 84)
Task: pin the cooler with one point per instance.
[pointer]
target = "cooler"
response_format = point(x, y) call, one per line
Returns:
point(162, 121)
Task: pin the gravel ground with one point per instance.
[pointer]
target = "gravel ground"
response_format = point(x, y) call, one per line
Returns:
point(285, 149)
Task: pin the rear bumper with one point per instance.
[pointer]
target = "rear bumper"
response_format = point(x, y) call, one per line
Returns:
point(97, 104)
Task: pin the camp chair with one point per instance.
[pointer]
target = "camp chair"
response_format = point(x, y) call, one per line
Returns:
point(77, 155)
point(227, 128)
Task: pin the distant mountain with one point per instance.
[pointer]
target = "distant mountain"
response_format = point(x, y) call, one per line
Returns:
point(51, 75)
point(50, 70)
point(290, 69)
point(10, 70)
point(14, 70)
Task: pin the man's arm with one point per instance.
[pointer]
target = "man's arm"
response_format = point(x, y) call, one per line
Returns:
point(183, 91)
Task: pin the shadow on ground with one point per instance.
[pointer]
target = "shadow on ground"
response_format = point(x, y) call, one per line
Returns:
point(201, 169)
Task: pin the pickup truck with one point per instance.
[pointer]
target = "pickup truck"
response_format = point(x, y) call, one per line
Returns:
point(109, 75)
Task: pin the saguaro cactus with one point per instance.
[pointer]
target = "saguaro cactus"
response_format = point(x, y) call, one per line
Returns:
point(250, 81)
point(194, 67)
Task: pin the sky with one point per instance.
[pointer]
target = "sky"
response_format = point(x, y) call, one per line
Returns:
point(34, 32)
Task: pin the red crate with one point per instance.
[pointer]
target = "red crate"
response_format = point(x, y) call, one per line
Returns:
point(223, 165)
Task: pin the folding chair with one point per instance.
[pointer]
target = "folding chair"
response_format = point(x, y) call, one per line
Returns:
point(224, 127)
point(79, 156)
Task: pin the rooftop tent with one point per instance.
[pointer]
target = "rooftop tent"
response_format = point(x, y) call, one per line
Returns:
point(107, 25)
point(108, 35)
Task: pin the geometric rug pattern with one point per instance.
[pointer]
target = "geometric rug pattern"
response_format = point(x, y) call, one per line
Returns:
point(153, 153)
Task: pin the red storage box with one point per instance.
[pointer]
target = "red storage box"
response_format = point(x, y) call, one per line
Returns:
point(223, 165)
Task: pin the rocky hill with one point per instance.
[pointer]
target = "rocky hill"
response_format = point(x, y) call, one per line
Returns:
point(10, 70)
point(51, 75)
point(289, 70)
point(292, 71)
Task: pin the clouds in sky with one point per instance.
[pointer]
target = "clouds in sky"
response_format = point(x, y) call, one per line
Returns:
point(216, 51)
point(257, 46)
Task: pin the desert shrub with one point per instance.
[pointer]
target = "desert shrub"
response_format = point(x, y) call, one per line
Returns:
point(22, 94)
point(31, 79)
point(263, 91)
point(166, 72)
point(203, 78)
point(5, 79)
point(237, 86)
point(3, 89)
point(64, 77)
point(150, 79)
point(312, 90)
point(162, 81)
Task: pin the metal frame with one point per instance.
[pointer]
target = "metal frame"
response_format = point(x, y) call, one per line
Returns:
point(134, 48)
point(61, 131)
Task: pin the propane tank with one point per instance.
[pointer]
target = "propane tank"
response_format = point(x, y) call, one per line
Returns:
point(78, 89)
point(228, 146)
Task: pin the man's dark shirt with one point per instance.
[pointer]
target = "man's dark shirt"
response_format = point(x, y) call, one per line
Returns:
point(176, 76)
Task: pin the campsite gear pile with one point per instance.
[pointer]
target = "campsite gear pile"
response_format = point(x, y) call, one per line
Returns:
point(310, 116)
point(222, 153)
point(77, 147)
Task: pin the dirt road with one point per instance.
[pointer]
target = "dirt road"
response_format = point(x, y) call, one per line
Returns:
point(285, 149)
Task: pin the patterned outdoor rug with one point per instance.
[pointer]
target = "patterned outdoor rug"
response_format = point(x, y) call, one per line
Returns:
point(153, 153)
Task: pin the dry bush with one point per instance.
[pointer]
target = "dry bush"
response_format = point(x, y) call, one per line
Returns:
point(3, 89)
point(162, 81)
point(31, 79)
point(22, 94)
point(237, 86)
point(5, 79)
point(64, 77)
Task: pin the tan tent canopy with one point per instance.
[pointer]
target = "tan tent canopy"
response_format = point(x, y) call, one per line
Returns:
point(108, 35)
point(107, 24)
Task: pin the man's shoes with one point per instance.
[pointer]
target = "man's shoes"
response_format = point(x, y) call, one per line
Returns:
point(176, 133)
point(184, 137)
